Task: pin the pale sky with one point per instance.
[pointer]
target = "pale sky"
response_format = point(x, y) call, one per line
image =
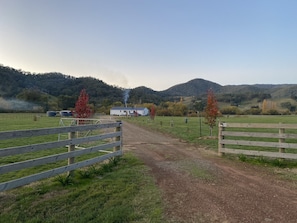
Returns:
point(153, 43)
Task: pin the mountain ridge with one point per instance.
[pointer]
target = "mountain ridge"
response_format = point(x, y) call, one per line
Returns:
point(63, 90)
point(196, 86)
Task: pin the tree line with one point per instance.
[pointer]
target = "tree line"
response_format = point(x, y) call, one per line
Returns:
point(25, 91)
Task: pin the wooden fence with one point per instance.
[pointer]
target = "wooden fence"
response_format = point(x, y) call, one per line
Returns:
point(258, 139)
point(93, 148)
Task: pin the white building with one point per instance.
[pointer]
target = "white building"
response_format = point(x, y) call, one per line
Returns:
point(128, 111)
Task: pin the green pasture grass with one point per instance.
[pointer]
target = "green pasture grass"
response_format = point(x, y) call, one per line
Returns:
point(37, 169)
point(18, 121)
point(195, 130)
point(190, 129)
point(289, 119)
point(124, 192)
point(21, 121)
point(286, 119)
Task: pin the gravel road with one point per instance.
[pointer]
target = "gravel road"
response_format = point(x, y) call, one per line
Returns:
point(198, 186)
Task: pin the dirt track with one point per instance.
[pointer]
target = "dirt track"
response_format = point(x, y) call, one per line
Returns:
point(198, 186)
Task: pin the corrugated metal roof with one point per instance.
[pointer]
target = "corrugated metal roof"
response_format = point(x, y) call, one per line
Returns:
point(128, 108)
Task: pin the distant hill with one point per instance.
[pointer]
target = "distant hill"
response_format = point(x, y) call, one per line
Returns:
point(57, 91)
point(13, 82)
point(54, 90)
point(145, 95)
point(199, 87)
point(194, 87)
point(275, 90)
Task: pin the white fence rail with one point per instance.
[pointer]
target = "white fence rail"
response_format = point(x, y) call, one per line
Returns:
point(13, 159)
point(258, 139)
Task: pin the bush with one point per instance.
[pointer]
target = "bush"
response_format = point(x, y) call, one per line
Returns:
point(230, 110)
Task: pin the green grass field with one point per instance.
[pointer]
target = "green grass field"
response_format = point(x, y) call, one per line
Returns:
point(194, 129)
point(118, 191)
point(18, 121)
point(30, 121)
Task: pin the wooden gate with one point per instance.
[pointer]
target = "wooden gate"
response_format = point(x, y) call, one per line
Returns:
point(258, 139)
point(50, 158)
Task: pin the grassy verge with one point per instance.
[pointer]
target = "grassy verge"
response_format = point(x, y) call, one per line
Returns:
point(194, 130)
point(18, 121)
point(118, 191)
point(121, 191)
point(190, 129)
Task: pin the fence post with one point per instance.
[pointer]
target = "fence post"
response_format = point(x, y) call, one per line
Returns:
point(118, 138)
point(281, 139)
point(221, 137)
point(71, 147)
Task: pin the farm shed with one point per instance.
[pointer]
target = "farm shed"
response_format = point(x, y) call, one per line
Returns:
point(128, 111)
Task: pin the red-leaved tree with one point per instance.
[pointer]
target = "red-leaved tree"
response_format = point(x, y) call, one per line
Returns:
point(153, 112)
point(211, 110)
point(82, 108)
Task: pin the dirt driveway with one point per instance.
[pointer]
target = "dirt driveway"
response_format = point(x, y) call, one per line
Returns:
point(198, 186)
